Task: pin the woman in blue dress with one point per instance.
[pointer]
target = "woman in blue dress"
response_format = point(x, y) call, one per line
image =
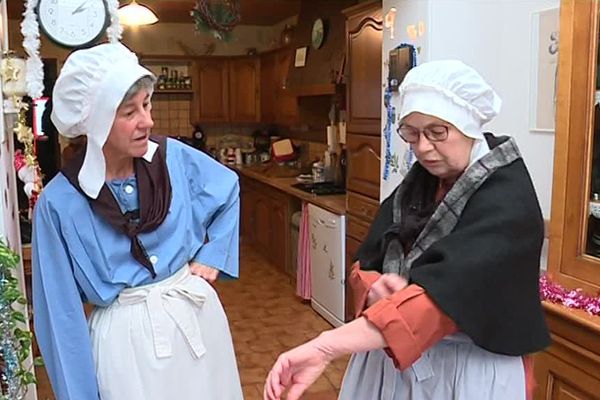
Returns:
point(137, 226)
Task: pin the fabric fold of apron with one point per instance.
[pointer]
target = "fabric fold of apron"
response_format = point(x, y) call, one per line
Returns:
point(159, 298)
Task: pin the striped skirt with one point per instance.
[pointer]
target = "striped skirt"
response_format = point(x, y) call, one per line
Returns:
point(454, 369)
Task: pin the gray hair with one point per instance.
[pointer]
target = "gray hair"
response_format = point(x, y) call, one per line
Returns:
point(144, 83)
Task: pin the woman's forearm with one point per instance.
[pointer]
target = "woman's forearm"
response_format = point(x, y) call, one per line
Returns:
point(354, 337)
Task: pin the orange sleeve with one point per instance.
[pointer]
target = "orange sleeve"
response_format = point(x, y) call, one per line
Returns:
point(410, 323)
point(361, 282)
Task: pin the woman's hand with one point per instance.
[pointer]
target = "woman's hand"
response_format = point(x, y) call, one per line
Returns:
point(296, 370)
point(208, 273)
point(385, 286)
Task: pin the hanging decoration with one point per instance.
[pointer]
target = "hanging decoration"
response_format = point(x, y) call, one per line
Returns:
point(114, 31)
point(392, 163)
point(26, 163)
point(14, 87)
point(217, 17)
point(15, 342)
point(31, 43)
point(577, 299)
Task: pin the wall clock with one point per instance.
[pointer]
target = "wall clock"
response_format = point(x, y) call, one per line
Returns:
point(318, 33)
point(73, 23)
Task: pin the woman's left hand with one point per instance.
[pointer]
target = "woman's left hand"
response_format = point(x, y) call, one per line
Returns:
point(296, 370)
point(208, 273)
point(385, 286)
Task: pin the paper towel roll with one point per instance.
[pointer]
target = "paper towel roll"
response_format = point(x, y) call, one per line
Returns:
point(342, 133)
point(332, 136)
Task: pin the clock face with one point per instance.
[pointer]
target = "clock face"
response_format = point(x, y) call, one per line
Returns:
point(318, 33)
point(73, 23)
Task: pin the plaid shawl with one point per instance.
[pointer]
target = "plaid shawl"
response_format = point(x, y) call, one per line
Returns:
point(478, 254)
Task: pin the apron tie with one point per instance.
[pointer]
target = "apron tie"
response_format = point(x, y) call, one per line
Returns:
point(160, 305)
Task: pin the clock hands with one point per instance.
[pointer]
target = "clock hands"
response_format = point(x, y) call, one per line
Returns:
point(81, 7)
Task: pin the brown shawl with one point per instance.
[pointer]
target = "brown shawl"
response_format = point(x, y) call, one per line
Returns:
point(154, 192)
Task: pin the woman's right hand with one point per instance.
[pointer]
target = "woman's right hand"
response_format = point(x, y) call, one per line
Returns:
point(385, 286)
point(296, 370)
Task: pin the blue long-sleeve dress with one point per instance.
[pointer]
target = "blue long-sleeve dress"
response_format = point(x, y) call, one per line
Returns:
point(78, 256)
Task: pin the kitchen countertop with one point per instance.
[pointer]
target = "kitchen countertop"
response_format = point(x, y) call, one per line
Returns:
point(334, 203)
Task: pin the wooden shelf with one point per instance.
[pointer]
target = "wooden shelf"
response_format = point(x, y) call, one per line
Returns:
point(174, 91)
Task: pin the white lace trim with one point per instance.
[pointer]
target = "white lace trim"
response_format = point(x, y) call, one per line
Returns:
point(31, 44)
point(114, 30)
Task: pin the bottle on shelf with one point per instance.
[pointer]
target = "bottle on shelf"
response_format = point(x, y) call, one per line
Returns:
point(161, 81)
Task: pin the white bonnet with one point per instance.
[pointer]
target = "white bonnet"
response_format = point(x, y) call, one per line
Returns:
point(87, 93)
point(452, 91)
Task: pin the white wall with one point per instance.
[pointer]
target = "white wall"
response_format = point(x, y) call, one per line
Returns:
point(493, 36)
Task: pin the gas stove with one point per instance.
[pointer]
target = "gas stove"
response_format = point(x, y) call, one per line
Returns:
point(321, 188)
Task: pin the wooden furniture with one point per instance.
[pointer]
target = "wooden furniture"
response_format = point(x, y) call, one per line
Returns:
point(277, 104)
point(228, 89)
point(265, 221)
point(570, 367)
point(364, 38)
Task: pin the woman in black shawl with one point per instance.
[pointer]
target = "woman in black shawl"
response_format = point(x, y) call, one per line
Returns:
point(446, 282)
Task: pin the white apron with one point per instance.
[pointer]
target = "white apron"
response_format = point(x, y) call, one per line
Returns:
point(454, 369)
point(166, 340)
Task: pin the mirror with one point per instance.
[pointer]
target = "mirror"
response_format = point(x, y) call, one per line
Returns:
point(593, 232)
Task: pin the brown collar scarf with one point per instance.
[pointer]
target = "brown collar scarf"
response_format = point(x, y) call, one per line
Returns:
point(154, 193)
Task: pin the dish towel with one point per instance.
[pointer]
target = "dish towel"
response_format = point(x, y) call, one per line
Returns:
point(303, 286)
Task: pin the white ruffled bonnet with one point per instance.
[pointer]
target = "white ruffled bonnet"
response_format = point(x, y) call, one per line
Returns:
point(454, 92)
point(87, 93)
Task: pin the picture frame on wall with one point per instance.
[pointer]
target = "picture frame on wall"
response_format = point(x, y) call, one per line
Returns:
point(300, 60)
point(544, 69)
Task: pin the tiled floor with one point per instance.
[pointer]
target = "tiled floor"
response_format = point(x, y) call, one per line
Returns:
point(266, 318)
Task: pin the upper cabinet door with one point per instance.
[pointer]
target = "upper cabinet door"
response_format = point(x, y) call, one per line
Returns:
point(363, 166)
point(574, 257)
point(268, 87)
point(364, 31)
point(244, 99)
point(213, 94)
point(287, 103)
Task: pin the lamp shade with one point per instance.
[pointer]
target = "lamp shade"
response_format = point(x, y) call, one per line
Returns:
point(134, 14)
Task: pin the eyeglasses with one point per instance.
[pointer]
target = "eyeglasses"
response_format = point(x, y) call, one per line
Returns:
point(433, 133)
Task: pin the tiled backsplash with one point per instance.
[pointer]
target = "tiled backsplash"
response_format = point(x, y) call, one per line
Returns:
point(171, 114)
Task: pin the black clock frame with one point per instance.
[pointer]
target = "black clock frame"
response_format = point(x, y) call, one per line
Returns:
point(85, 45)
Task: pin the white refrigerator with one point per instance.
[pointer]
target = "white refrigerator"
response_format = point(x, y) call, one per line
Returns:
point(327, 232)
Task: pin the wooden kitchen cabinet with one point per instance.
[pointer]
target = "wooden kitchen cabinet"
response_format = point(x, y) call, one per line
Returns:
point(364, 156)
point(287, 102)
point(244, 92)
point(265, 221)
point(268, 87)
point(278, 105)
point(570, 367)
point(213, 87)
point(364, 38)
point(228, 89)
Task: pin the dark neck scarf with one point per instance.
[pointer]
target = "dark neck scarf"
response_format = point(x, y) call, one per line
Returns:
point(154, 193)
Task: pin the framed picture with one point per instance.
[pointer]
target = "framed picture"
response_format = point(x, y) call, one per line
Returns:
point(544, 67)
point(300, 60)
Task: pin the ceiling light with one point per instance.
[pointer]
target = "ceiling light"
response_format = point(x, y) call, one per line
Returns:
point(134, 14)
